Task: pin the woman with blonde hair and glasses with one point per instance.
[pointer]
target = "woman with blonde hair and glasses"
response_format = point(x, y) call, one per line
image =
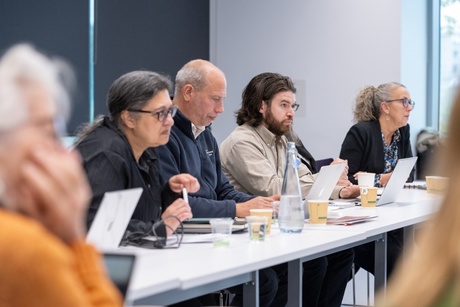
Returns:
point(43, 195)
point(374, 144)
point(431, 274)
point(381, 134)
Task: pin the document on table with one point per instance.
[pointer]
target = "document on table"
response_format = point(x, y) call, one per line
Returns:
point(350, 219)
point(190, 238)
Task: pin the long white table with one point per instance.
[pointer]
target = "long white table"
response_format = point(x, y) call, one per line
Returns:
point(172, 275)
point(412, 207)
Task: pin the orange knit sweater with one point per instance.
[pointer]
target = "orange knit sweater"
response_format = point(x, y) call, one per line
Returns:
point(37, 269)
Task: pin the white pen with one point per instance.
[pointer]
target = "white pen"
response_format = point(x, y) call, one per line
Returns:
point(185, 195)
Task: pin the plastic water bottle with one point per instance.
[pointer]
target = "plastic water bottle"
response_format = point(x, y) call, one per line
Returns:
point(291, 213)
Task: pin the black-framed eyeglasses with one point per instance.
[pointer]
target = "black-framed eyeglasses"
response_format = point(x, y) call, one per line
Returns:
point(405, 102)
point(161, 115)
point(286, 106)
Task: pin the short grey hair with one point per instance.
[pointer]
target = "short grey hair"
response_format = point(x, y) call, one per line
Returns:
point(194, 73)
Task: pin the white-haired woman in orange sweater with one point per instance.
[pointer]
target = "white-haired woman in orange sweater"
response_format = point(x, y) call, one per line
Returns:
point(43, 196)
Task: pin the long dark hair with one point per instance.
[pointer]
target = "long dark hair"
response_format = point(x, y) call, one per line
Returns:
point(262, 87)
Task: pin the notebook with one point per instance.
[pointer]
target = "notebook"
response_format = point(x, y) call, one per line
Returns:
point(202, 225)
point(112, 218)
point(397, 180)
point(120, 268)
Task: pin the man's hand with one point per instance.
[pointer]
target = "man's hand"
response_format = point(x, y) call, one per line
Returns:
point(55, 191)
point(242, 209)
point(178, 182)
point(341, 161)
point(351, 191)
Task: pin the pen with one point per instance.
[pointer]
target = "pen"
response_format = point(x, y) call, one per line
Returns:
point(185, 195)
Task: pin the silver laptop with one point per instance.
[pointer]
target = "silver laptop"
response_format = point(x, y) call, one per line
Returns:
point(397, 180)
point(112, 218)
point(324, 184)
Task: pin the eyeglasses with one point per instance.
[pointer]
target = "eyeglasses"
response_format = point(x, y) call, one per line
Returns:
point(286, 106)
point(406, 102)
point(161, 115)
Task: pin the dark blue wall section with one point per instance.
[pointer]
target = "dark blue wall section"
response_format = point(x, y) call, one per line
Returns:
point(158, 35)
point(55, 27)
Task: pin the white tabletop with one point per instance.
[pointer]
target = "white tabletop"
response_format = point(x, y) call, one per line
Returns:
point(167, 274)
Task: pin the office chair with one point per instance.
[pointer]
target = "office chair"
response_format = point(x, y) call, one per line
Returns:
point(323, 162)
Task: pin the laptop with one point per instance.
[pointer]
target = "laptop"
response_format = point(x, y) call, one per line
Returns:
point(112, 218)
point(397, 180)
point(120, 268)
point(324, 184)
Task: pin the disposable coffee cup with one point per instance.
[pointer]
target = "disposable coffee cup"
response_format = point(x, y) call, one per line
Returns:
point(318, 211)
point(264, 212)
point(257, 226)
point(221, 229)
point(366, 179)
point(436, 184)
point(368, 196)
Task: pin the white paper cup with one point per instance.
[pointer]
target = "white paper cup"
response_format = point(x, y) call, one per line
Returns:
point(366, 179)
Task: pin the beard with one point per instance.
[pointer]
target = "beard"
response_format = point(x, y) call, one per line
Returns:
point(276, 127)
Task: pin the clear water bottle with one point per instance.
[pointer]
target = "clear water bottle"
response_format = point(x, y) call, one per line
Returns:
point(291, 213)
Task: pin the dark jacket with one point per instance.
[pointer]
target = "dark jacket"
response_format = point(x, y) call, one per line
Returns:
point(363, 148)
point(110, 165)
point(200, 158)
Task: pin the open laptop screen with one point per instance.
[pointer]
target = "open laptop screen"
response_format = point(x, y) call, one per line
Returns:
point(120, 268)
point(112, 218)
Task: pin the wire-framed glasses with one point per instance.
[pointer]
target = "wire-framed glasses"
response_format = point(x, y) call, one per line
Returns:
point(153, 238)
point(161, 115)
point(405, 102)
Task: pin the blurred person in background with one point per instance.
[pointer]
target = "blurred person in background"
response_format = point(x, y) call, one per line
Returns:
point(431, 274)
point(43, 195)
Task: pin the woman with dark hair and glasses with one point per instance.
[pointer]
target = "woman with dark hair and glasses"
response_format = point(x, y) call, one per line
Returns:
point(115, 155)
point(374, 144)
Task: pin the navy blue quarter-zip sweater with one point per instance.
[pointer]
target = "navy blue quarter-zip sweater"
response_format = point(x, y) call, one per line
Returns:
point(200, 158)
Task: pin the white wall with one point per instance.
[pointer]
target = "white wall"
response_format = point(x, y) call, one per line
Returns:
point(332, 48)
